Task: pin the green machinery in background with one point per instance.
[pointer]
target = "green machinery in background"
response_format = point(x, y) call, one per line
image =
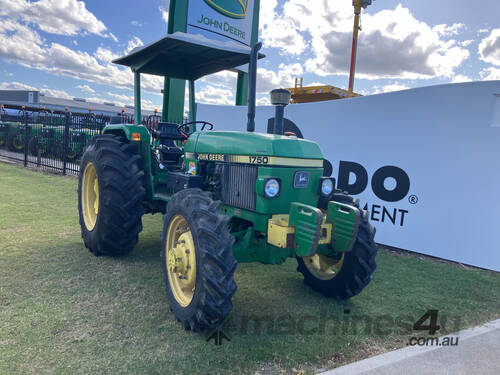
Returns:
point(46, 137)
point(226, 196)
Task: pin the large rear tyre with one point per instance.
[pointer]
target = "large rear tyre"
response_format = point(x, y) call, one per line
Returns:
point(347, 276)
point(198, 262)
point(37, 145)
point(110, 194)
point(3, 139)
point(72, 153)
point(15, 141)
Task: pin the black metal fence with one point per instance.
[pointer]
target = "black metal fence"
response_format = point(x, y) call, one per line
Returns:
point(54, 141)
point(51, 141)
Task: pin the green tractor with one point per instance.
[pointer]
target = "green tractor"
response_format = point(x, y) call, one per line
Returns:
point(4, 133)
point(15, 137)
point(226, 196)
point(43, 139)
point(78, 139)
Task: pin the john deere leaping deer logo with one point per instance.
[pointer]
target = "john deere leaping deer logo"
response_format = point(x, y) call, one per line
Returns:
point(230, 8)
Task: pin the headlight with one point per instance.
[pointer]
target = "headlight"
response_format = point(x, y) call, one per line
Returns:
point(271, 188)
point(326, 187)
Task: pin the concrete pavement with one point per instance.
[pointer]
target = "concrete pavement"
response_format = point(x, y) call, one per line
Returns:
point(477, 352)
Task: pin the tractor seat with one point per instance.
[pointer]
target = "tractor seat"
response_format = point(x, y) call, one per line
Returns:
point(167, 131)
point(166, 135)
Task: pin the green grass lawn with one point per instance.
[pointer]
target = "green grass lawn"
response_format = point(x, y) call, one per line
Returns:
point(63, 310)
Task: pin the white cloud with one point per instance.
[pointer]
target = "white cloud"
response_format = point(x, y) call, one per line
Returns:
point(264, 100)
point(133, 43)
point(267, 13)
point(124, 99)
point(224, 79)
point(45, 91)
point(136, 23)
point(483, 31)
point(86, 88)
point(63, 17)
point(95, 99)
point(466, 43)
point(215, 95)
point(414, 48)
point(105, 55)
point(56, 93)
point(24, 46)
point(490, 74)
point(112, 36)
point(282, 34)
point(460, 78)
point(164, 11)
point(268, 80)
point(16, 86)
point(489, 48)
point(277, 31)
point(446, 30)
point(389, 88)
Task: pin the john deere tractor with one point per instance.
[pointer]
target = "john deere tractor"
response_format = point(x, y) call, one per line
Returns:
point(226, 196)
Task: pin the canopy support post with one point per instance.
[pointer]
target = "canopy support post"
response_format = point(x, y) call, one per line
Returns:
point(137, 98)
point(192, 105)
point(164, 112)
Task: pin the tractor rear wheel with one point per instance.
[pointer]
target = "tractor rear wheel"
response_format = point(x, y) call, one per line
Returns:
point(110, 194)
point(36, 144)
point(15, 141)
point(198, 262)
point(345, 277)
point(58, 151)
point(3, 139)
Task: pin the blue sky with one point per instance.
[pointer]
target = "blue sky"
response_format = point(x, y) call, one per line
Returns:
point(64, 47)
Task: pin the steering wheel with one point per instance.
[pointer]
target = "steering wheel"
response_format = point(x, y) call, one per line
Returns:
point(185, 131)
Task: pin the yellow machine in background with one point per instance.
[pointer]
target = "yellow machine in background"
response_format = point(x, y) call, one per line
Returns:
point(309, 94)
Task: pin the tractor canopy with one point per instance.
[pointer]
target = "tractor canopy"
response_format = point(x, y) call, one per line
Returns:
point(186, 56)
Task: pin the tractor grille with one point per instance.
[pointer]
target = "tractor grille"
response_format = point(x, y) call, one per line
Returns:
point(238, 188)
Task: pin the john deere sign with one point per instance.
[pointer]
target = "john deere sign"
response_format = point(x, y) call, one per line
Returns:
point(230, 8)
point(221, 19)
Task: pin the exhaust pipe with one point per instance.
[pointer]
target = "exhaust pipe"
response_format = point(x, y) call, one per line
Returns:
point(279, 98)
point(252, 77)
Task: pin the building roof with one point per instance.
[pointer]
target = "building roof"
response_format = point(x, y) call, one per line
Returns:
point(74, 105)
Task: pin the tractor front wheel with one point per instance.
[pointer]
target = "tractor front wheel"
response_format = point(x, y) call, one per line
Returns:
point(198, 263)
point(344, 277)
point(110, 194)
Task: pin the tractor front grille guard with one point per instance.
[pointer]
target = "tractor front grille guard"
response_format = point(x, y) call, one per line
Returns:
point(238, 187)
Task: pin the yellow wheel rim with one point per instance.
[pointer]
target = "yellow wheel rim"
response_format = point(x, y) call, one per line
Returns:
point(90, 196)
point(18, 142)
point(323, 267)
point(180, 260)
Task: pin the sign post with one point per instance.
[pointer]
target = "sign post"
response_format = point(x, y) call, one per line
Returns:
point(222, 20)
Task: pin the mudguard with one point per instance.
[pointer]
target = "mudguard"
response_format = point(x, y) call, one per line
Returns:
point(307, 221)
point(345, 221)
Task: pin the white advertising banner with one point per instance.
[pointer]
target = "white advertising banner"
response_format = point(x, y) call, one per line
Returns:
point(425, 162)
point(221, 19)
